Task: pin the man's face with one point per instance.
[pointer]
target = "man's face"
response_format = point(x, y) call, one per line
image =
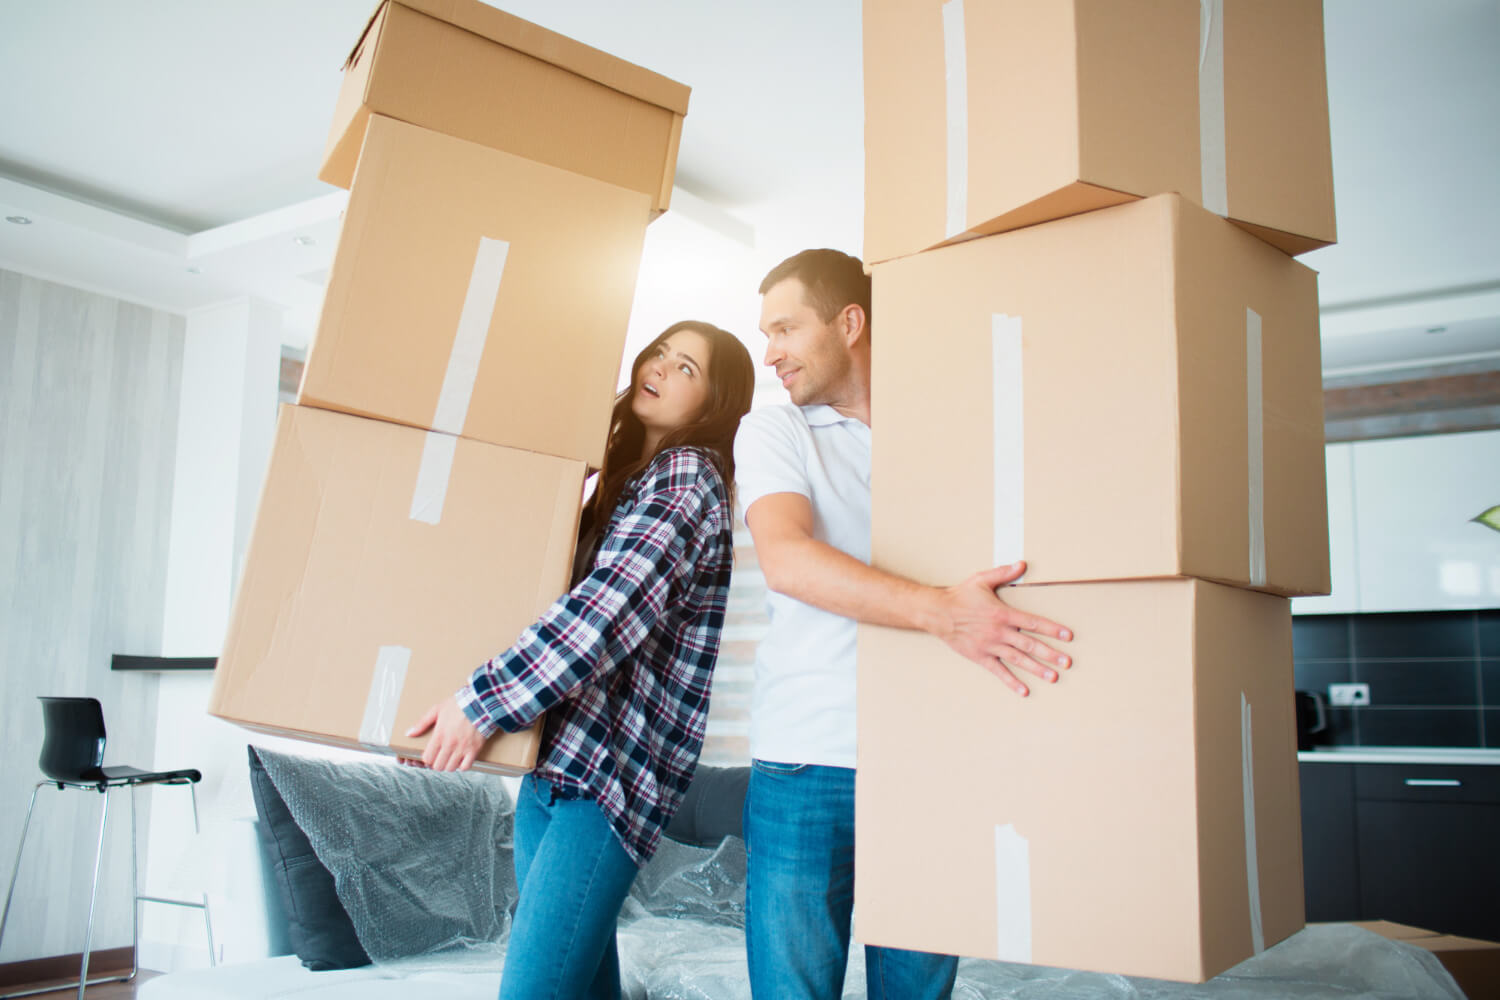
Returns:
point(812, 358)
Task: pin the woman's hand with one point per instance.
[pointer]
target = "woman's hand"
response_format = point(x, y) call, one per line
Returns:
point(454, 743)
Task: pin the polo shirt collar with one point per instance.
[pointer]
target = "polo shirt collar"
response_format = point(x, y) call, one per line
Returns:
point(823, 415)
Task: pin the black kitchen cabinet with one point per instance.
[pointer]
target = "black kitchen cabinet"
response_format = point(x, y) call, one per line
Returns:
point(1330, 861)
point(1413, 843)
point(1429, 846)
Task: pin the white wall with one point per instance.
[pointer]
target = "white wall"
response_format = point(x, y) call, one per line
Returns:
point(231, 371)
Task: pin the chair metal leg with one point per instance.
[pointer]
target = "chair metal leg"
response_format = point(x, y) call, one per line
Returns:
point(137, 899)
point(208, 927)
point(135, 896)
point(83, 980)
point(88, 936)
point(16, 869)
point(208, 924)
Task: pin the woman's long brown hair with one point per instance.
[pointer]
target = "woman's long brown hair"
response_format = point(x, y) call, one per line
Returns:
point(731, 384)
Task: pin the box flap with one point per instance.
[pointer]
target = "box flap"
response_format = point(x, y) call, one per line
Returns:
point(549, 46)
point(364, 34)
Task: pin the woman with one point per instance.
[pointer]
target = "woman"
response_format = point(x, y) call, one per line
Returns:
point(621, 664)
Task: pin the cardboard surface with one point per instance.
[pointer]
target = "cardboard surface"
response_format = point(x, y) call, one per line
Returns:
point(456, 260)
point(981, 117)
point(364, 545)
point(1124, 783)
point(1473, 964)
point(1116, 441)
point(466, 69)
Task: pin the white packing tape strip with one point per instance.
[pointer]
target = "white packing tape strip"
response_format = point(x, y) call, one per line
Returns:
point(468, 340)
point(1012, 895)
point(439, 448)
point(1009, 440)
point(1255, 446)
point(385, 696)
point(1211, 131)
point(1252, 858)
point(431, 489)
point(429, 494)
point(956, 76)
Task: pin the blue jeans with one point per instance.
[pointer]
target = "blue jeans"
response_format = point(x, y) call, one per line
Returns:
point(799, 839)
point(573, 877)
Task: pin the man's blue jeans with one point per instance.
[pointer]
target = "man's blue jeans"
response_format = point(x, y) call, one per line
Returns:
point(799, 838)
point(573, 877)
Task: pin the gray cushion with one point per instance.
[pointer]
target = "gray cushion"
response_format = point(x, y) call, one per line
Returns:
point(318, 926)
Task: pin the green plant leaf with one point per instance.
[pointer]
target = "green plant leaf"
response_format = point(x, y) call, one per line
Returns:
point(1490, 518)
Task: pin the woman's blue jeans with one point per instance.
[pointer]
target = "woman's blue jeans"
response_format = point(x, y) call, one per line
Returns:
point(799, 839)
point(573, 877)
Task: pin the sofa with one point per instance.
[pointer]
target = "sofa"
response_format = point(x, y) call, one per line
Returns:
point(395, 881)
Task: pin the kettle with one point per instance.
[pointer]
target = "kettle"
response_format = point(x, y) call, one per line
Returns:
point(1312, 718)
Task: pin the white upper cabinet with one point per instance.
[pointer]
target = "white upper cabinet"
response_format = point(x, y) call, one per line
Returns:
point(1416, 545)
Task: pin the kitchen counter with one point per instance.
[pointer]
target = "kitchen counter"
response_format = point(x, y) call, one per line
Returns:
point(1400, 755)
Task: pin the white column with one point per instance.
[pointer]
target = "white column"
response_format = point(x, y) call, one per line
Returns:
point(230, 379)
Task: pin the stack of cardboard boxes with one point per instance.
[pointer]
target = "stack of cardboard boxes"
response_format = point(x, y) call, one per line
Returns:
point(422, 502)
point(1096, 353)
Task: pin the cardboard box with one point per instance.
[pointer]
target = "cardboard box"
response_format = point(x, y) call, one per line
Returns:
point(1139, 817)
point(385, 565)
point(466, 69)
point(1130, 393)
point(988, 115)
point(1473, 964)
point(478, 293)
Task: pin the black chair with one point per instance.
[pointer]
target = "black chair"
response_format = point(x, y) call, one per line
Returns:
point(73, 757)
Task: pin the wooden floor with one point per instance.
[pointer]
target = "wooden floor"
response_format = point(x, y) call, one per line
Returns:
point(109, 991)
point(113, 991)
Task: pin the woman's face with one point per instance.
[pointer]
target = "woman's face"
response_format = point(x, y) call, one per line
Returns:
point(671, 385)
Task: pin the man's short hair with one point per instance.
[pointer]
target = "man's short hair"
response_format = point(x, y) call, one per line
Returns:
point(832, 280)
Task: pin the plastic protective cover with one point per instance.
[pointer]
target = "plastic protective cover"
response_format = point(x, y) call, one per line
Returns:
point(422, 861)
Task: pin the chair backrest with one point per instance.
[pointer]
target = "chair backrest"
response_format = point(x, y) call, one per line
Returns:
point(73, 741)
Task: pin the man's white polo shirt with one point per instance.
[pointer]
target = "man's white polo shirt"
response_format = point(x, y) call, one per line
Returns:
point(802, 709)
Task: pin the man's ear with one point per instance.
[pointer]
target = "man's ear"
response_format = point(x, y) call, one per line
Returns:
point(856, 324)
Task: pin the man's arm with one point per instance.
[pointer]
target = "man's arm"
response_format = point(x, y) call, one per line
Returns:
point(970, 617)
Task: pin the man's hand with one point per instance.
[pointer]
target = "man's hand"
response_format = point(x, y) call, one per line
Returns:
point(454, 743)
point(981, 627)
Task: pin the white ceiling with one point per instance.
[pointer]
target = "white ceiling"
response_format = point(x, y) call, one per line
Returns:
point(166, 153)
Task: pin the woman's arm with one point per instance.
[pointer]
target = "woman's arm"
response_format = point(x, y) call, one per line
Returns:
point(595, 627)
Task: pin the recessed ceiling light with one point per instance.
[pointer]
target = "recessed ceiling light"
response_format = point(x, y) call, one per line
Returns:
point(195, 270)
point(19, 220)
point(1437, 329)
point(304, 241)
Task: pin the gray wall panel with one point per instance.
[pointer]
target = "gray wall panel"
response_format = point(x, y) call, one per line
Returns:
point(91, 388)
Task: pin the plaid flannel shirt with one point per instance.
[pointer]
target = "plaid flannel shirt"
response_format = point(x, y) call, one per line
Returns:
point(622, 663)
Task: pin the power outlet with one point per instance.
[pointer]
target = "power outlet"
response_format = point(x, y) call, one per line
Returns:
point(1344, 695)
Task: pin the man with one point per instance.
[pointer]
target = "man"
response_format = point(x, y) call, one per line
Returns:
point(804, 480)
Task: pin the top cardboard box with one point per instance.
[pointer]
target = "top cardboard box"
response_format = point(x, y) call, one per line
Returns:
point(982, 117)
point(468, 70)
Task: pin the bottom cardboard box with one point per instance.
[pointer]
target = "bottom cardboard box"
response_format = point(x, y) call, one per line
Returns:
point(385, 564)
point(1139, 817)
point(1473, 964)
